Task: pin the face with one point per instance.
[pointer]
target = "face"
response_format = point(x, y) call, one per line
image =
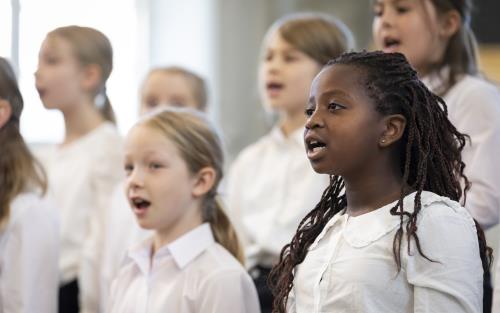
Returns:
point(59, 75)
point(285, 76)
point(411, 27)
point(343, 128)
point(163, 89)
point(159, 185)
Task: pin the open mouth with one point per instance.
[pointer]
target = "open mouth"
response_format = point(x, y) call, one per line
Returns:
point(315, 148)
point(273, 88)
point(139, 205)
point(391, 44)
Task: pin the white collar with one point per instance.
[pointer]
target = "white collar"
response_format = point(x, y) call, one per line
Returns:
point(377, 223)
point(183, 250)
point(296, 137)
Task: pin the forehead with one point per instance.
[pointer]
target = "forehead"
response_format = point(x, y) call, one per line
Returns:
point(143, 136)
point(55, 44)
point(342, 77)
point(275, 41)
point(166, 81)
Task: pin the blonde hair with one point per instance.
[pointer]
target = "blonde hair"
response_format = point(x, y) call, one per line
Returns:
point(197, 84)
point(322, 37)
point(19, 169)
point(90, 46)
point(199, 146)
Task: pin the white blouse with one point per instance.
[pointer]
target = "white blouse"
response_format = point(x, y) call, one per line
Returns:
point(350, 267)
point(271, 187)
point(82, 176)
point(191, 274)
point(29, 252)
point(474, 109)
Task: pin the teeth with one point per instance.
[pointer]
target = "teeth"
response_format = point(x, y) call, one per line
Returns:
point(317, 149)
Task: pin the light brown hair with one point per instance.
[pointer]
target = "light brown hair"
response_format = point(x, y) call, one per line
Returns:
point(322, 37)
point(461, 51)
point(90, 46)
point(200, 147)
point(19, 171)
point(197, 84)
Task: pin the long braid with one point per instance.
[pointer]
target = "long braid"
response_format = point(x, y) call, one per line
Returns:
point(431, 160)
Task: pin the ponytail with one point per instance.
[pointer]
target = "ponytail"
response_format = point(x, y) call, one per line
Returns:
point(104, 106)
point(224, 233)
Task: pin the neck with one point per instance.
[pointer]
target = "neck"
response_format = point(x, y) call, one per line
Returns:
point(80, 120)
point(190, 220)
point(381, 186)
point(291, 121)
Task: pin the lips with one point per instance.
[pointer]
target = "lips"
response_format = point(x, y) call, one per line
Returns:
point(274, 88)
point(139, 205)
point(316, 147)
point(391, 44)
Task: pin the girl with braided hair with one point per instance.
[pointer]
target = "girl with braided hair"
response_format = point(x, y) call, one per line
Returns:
point(388, 234)
point(174, 163)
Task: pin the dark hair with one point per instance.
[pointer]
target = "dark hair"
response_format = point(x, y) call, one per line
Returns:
point(431, 160)
point(461, 52)
point(90, 46)
point(19, 171)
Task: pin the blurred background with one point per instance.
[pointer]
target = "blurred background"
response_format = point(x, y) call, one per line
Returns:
point(220, 39)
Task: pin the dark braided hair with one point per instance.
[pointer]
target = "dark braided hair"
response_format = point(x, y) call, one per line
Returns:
point(430, 150)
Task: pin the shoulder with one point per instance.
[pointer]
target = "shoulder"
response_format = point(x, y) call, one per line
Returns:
point(251, 154)
point(435, 206)
point(216, 265)
point(474, 88)
point(31, 206)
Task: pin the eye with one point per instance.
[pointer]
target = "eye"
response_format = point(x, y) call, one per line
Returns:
point(402, 9)
point(128, 168)
point(309, 112)
point(290, 58)
point(155, 165)
point(333, 106)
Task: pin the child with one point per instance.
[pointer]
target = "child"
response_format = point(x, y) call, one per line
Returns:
point(387, 234)
point(173, 86)
point(28, 225)
point(74, 64)
point(162, 87)
point(174, 161)
point(271, 183)
point(437, 39)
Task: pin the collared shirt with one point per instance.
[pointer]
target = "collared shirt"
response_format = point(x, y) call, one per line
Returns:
point(191, 274)
point(350, 267)
point(82, 176)
point(29, 252)
point(474, 109)
point(271, 188)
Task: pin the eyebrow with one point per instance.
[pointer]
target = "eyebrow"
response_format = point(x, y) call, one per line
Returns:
point(330, 93)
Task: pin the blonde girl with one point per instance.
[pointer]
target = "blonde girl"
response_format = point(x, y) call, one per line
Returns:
point(74, 65)
point(170, 86)
point(174, 162)
point(271, 184)
point(28, 224)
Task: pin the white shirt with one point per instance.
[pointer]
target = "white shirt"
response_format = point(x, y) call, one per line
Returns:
point(82, 176)
point(350, 267)
point(271, 188)
point(474, 109)
point(191, 274)
point(29, 252)
point(121, 232)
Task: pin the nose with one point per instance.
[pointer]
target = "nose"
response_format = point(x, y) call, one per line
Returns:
point(135, 179)
point(386, 18)
point(314, 120)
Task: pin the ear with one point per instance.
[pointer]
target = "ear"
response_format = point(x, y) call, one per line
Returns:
point(449, 23)
point(394, 128)
point(92, 75)
point(204, 181)
point(5, 112)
